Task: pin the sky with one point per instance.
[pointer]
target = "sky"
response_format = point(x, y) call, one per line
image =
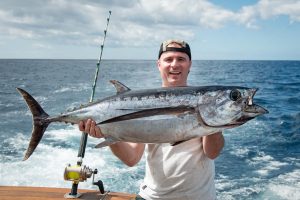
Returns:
point(215, 29)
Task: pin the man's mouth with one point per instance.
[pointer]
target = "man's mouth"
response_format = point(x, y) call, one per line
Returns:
point(174, 72)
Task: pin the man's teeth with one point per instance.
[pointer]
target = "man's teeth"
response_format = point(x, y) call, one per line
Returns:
point(175, 73)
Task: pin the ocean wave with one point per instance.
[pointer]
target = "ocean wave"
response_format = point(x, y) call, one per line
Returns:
point(265, 164)
point(46, 165)
point(285, 186)
point(73, 88)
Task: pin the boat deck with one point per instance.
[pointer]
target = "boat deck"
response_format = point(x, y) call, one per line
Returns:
point(45, 193)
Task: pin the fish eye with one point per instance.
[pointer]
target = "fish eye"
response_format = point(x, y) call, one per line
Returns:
point(235, 95)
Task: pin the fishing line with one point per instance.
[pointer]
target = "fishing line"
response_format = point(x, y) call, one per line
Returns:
point(99, 60)
point(84, 136)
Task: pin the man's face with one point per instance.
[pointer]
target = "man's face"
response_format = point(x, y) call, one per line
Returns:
point(174, 67)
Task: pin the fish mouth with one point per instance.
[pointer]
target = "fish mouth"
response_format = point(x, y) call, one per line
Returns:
point(250, 112)
point(242, 120)
point(255, 110)
point(252, 109)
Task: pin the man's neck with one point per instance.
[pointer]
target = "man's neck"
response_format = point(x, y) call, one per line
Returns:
point(179, 85)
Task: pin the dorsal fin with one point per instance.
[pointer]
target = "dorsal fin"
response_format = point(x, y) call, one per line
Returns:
point(120, 87)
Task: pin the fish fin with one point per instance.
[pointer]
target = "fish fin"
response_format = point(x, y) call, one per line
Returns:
point(39, 123)
point(120, 87)
point(107, 142)
point(150, 112)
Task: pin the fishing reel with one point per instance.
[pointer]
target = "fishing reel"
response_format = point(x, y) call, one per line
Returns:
point(78, 173)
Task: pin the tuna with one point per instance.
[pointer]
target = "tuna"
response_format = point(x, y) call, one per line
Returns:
point(162, 115)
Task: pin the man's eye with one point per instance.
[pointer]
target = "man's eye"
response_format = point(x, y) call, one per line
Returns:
point(181, 59)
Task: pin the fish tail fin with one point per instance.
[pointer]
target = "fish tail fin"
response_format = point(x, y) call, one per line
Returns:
point(39, 123)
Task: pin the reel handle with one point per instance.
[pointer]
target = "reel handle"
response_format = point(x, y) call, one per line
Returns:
point(98, 183)
point(100, 186)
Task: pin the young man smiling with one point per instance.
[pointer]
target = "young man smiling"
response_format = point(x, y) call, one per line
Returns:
point(174, 65)
point(183, 171)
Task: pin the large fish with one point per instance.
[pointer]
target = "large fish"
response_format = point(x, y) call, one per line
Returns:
point(163, 115)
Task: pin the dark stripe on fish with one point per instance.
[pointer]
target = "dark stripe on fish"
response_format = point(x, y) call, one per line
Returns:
point(150, 112)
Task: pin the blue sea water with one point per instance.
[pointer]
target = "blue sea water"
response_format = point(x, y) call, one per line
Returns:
point(260, 159)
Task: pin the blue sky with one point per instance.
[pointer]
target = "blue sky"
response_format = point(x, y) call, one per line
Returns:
point(215, 29)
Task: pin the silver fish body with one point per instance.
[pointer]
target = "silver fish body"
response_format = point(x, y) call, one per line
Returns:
point(163, 115)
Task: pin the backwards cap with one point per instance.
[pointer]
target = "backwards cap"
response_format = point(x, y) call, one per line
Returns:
point(185, 48)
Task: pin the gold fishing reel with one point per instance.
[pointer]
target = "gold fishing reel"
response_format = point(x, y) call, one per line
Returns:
point(78, 173)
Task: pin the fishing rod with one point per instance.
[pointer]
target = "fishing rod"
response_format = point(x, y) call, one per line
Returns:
point(99, 60)
point(83, 141)
point(78, 173)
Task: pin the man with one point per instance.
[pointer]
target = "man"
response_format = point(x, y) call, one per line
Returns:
point(183, 171)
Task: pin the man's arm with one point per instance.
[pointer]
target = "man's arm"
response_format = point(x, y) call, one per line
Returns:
point(213, 145)
point(129, 153)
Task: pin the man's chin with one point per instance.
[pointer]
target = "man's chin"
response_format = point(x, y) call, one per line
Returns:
point(176, 82)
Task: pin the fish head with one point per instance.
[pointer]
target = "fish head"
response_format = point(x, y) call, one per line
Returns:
point(229, 107)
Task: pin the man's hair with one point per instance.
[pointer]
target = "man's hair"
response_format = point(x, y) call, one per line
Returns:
point(185, 48)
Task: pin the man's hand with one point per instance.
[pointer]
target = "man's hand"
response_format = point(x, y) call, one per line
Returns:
point(89, 127)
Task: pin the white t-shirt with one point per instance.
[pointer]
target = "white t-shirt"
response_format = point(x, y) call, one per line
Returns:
point(178, 172)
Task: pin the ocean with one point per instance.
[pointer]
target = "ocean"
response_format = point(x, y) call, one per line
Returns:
point(260, 160)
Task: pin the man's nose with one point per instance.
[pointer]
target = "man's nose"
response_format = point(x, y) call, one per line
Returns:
point(174, 63)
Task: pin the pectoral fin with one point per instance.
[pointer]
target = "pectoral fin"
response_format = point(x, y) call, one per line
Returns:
point(150, 112)
point(107, 142)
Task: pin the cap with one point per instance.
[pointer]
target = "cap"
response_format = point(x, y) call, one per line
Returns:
point(185, 48)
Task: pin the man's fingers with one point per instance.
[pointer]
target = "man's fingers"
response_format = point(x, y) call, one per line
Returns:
point(81, 126)
point(92, 129)
point(98, 132)
point(87, 126)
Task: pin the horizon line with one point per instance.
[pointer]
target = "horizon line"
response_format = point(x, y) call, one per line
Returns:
point(109, 59)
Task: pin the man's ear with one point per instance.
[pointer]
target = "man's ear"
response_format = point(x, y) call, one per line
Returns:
point(158, 63)
point(190, 67)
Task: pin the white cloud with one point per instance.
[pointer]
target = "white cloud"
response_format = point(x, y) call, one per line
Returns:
point(17, 32)
point(266, 9)
point(133, 23)
point(41, 46)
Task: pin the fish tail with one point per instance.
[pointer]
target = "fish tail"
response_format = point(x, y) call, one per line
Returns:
point(40, 123)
